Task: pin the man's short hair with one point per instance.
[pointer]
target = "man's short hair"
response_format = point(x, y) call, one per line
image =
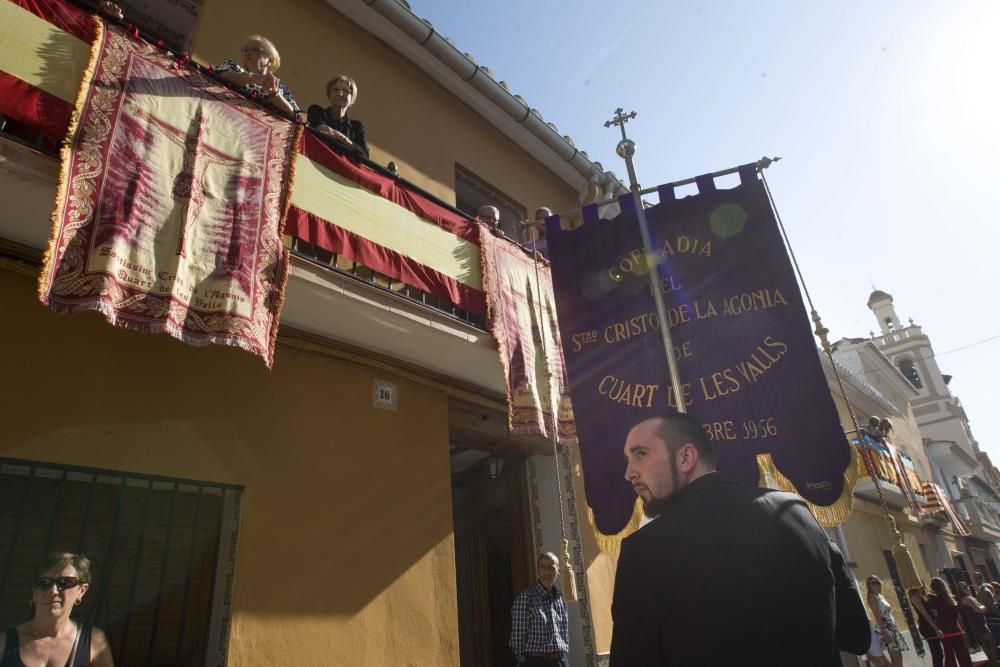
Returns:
point(676, 429)
point(547, 555)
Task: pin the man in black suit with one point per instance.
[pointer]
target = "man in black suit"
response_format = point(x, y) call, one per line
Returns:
point(725, 574)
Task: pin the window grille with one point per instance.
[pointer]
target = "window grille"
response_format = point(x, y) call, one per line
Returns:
point(162, 550)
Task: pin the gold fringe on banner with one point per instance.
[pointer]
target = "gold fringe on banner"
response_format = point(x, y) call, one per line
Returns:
point(612, 544)
point(827, 515)
point(66, 155)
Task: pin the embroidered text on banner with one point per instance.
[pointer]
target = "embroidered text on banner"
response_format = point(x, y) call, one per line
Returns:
point(747, 358)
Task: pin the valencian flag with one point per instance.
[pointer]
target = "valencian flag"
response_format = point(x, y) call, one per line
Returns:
point(748, 362)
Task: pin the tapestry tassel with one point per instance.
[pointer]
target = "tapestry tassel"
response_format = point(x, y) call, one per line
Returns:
point(569, 577)
point(908, 576)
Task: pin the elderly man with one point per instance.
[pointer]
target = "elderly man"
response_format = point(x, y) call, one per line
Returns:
point(539, 631)
point(726, 574)
point(489, 216)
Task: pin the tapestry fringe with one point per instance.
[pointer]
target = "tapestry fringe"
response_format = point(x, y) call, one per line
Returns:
point(111, 316)
point(488, 264)
point(281, 278)
point(65, 157)
point(612, 544)
point(827, 515)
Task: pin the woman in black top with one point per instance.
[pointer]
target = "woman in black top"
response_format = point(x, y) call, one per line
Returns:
point(927, 624)
point(333, 122)
point(51, 637)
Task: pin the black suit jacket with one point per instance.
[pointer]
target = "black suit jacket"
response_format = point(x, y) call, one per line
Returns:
point(733, 575)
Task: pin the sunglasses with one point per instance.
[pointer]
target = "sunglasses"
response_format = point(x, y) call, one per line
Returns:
point(255, 49)
point(61, 583)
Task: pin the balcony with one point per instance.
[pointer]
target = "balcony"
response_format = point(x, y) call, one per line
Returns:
point(952, 457)
point(895, 337)
point(888, 478)
point(984, 522)
point(328, 294)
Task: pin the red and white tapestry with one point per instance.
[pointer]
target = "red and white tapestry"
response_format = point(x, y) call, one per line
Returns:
point(522, 316)
point(171, 202)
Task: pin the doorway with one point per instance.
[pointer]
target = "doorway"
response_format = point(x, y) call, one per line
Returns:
point(493, 554)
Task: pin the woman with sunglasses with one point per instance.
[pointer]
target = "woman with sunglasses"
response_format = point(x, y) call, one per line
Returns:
point(891, 639)
point(51, 637)
point(255, 74)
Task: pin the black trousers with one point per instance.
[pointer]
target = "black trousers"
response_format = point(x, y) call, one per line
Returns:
point(937, 651)
point(538, 661)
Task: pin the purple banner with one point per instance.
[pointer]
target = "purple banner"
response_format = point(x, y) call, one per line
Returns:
point(748, 362)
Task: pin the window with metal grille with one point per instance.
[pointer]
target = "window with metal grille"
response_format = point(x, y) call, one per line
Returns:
point(471, 192)
point(162, 550)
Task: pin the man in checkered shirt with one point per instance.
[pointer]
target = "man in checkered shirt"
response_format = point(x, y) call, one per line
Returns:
point(539, 634)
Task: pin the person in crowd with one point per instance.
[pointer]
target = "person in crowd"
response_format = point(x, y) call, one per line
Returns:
point(945, 609)
point(987, 594)
point(797, 605)
point(927, 625)
point(540, 621)
point(885, 428)
point(254, 73)
point(975, 614)
point(490, 216)
point(51, 637)
point(892, 640)
point(333, 121)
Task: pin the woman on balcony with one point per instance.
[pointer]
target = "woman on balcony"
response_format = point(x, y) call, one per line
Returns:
point(975, 613)
point(333, 122)
point(892, 640)
point(51, 637)
point(260, 60)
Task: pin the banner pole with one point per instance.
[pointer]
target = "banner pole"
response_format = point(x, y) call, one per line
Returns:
point(626, 150)
point(661, 310)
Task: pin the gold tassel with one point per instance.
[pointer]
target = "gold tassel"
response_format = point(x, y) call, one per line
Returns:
point(908, 576)
point(569, 591)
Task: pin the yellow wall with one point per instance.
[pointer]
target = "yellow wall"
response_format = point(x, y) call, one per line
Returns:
point(346, 555)
point(867, 536)
point(408, 117)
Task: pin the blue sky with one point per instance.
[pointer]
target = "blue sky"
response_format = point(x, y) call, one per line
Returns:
point(886, 115)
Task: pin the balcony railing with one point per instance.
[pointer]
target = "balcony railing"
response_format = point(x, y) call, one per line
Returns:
point(980, 516)
point(885, 471)
point(343, 266)
point(897, 336)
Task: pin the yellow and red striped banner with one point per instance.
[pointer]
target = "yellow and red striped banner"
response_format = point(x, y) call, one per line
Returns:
point(938, 501)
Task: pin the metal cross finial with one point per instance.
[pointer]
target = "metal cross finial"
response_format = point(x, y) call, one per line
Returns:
point(626, 147)
point(620, 119)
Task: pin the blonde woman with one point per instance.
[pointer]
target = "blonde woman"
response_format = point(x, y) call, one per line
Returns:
point(892, 640)
point(259, 60)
